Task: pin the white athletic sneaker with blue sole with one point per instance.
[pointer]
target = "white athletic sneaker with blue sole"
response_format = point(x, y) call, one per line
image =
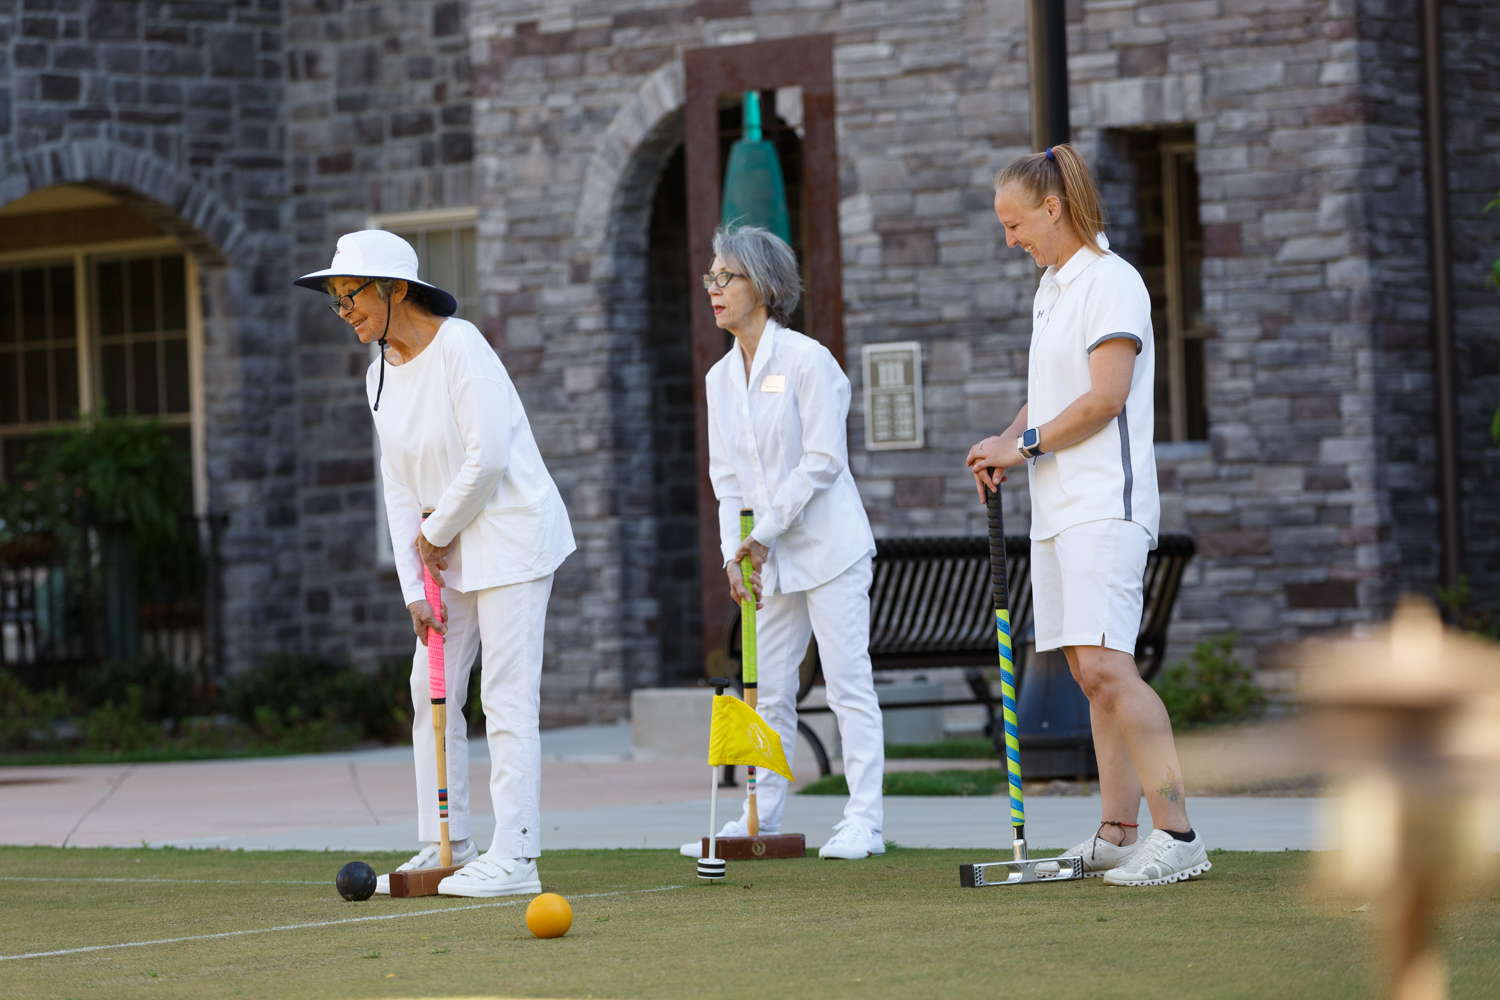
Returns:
point(490, 876)
point(427, 857)
point(1162, 859)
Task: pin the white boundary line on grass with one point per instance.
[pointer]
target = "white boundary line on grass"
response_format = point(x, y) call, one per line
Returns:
point(320, 923)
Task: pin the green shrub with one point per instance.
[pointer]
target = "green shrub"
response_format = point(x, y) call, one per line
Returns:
point(971, 749)
point(304, 698)
point(120, 728)
point(1456, 600)
point(1213, 688)
point(26, 716)
point(291, 703)
point(956, 782)
point(165, 691)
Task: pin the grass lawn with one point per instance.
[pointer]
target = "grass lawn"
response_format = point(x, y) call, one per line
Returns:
point(985, 782)
point(897, 926)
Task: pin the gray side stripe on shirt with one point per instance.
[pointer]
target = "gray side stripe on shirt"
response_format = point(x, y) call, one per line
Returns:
point(1125, 459)
point(1118, 336)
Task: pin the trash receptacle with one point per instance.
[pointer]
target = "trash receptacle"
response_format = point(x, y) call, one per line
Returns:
point(1052, 717)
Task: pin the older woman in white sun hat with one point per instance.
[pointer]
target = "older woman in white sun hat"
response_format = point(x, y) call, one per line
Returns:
point(778, 403)
point(454, 440)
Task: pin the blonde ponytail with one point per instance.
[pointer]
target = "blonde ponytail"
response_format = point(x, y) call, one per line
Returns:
point(1061, 171)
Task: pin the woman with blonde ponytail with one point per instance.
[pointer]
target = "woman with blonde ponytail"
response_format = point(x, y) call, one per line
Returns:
point(1087, 430)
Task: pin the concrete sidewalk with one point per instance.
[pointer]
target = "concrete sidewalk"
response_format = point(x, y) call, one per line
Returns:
point(593, 796)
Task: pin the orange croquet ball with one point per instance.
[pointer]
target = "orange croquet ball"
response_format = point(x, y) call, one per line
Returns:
point(549, 915)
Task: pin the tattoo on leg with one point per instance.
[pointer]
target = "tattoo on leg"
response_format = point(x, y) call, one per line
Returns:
point(1171, 789)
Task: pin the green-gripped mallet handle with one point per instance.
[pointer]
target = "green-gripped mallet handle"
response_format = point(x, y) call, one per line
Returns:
point(748, 673)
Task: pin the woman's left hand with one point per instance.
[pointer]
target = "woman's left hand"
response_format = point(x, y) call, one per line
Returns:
point(756, 551)
point(989, 459)
point(434, 557)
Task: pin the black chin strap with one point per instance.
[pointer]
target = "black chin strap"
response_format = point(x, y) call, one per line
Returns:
point(381, 387)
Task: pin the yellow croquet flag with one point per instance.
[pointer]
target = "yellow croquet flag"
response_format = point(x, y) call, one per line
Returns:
point(740, 736)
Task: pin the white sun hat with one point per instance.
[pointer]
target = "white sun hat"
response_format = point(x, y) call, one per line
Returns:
point(375, 253)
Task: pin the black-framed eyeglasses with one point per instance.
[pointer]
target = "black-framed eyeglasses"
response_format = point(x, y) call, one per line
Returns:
point(722, 279)
point(343, 302)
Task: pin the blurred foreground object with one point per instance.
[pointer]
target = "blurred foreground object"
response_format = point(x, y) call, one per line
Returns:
point(1409, 722)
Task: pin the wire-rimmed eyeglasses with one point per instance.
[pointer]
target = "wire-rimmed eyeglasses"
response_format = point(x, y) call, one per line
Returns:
point(722, 279)
point(343, 302)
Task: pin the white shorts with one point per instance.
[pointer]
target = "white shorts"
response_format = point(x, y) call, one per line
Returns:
point(1086, 584)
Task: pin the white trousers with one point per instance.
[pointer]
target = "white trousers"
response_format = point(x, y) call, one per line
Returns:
point(838, 613)
point(507, 623)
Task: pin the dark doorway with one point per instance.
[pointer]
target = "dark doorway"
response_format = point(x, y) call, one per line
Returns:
point(1170, 259)
point(669, 348)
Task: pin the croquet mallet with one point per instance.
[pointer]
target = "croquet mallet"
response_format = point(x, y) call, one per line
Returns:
point(1021, 869)
point(437, 686)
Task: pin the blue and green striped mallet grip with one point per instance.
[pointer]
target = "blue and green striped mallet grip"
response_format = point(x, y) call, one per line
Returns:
point(1001, 593)
point(749, 675)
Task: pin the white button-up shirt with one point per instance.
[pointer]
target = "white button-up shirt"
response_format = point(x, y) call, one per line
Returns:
point(779, 444)
point(454, 438)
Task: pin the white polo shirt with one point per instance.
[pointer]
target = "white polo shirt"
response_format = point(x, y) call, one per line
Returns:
point(1111, 473)
point(778, 443)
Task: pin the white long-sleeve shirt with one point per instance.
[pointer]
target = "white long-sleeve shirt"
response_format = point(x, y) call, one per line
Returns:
point(454, 438)
point(779, 445)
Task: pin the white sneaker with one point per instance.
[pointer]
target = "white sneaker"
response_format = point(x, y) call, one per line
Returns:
point(851, 841)
point(427, 857)
point(734, 828)
point(1161, 859)
point(1099, 855)
point(489, 876)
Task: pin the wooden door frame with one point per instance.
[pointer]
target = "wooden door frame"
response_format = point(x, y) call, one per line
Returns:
point(805, 62)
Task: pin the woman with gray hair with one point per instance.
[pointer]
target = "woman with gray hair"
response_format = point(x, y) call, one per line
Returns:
point(777, 443)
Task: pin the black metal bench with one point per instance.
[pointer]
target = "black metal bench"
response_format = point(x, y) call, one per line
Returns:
point(930, 607)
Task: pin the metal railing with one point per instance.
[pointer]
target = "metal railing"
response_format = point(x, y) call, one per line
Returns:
point(68, 607)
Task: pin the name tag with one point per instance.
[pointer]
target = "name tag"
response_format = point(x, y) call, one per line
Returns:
point(773, 383)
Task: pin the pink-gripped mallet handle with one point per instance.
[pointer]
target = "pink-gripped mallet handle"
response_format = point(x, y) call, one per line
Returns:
point(438, 688)
point(436, 677)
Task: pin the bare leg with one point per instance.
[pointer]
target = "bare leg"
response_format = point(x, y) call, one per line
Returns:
point(1136, 718)
point(1119, 785)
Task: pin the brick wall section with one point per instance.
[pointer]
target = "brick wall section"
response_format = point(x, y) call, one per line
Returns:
point(1312, 503)
point(1319, 375)
point(378, 114)
point(260, 132)
point(178, 108)
point(1472, 69)
point(927, 110)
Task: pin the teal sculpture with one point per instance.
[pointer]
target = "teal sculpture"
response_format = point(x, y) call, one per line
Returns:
point(754, 190)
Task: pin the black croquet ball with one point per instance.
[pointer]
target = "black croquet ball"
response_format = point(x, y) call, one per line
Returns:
point(356, 881)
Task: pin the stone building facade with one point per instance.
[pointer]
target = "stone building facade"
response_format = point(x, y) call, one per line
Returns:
point(254, 133)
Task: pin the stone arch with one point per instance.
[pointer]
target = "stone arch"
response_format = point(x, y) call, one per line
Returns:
point(625, 159)
point(179, 204)
point(611, 244)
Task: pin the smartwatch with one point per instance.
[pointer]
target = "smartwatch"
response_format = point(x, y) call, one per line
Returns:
point(1030, 444)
